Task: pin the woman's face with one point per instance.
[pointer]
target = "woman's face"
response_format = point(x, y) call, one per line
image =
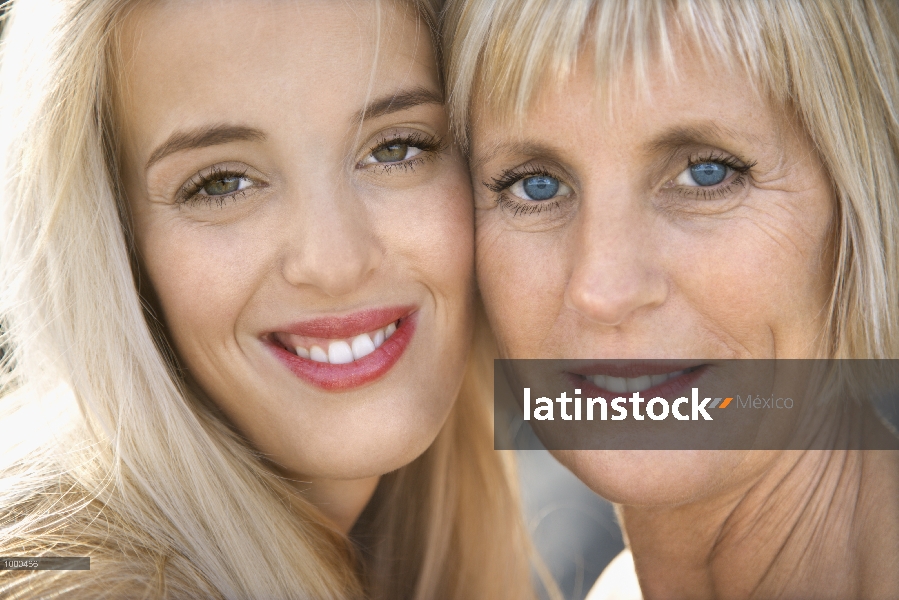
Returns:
point(304, 226)
point(692, 223)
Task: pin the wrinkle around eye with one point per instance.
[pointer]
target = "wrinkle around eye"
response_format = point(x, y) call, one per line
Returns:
point(166, 183)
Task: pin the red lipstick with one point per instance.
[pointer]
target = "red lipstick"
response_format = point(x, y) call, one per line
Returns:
point(368, 368)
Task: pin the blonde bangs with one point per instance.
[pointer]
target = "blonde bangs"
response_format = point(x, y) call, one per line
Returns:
point(503, 52)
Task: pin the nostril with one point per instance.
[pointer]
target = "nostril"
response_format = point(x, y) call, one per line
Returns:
point(611, 301)
point(336, 264)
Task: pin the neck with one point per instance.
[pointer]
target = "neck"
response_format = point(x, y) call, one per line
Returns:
point(341, 500)
point(815, 524)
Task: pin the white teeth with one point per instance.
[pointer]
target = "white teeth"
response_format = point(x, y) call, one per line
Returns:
point(632, 384)
point(616, 384)
point(317, 354)
point(340, 353)
point(362, 346)
point(659, 379)
point(345, 351)
point(639, 384)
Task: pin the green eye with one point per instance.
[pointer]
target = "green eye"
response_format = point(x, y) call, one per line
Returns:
point(399, 150)
point(391, 153)
point(225, 185)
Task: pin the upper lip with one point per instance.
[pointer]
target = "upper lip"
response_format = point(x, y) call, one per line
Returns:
point(347, 325)
point(632, 369)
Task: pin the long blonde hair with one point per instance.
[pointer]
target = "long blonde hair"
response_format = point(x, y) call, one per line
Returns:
point(834, 63)
point(105, 452)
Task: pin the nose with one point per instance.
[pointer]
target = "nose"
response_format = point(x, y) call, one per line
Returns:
point(332, 243)
point(615, 274)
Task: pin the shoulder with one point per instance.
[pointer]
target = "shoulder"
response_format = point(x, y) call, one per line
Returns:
point(618, 581)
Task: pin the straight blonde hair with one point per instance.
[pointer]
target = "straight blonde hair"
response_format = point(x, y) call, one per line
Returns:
point(835, 64)
point(105, 451)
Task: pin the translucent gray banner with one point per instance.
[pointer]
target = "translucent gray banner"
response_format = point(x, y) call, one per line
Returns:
point(45, 563)
point(697, 405)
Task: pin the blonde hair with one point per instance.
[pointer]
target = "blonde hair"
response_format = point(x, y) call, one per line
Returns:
point(105, 452)
point(835, 64)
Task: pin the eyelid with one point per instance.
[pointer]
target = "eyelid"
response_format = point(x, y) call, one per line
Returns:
point(520, 207)
point(525, 207)
point(190, 189)
point(739, 170)
point(509, 177)
point(427, 142)
point(723, 158)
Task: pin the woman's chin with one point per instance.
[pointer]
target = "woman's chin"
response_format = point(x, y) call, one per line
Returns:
point(662, 478)
point(368, 451)
point(352, 465)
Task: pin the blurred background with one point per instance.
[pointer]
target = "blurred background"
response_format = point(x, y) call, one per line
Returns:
point(575, 531)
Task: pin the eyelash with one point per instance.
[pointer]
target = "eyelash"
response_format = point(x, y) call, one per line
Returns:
point(739, 167)
point(507, 179)
point(190, 193)
point(429, 145)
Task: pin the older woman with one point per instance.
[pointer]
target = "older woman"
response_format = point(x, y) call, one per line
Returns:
point(237, 284)
point(698, 181)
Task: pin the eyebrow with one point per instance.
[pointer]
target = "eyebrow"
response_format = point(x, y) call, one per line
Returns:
point(702, 133)
point(392, 103)
point(203, 137)
point(672, 139)
point(214, 135)
point(516, 148)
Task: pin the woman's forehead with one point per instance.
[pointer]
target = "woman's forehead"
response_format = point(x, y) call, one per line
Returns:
point(697, 92)
point(264, 63)
point(241, 38)
point(686, 61)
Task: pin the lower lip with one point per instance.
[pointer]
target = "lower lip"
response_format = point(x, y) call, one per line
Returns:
point(357, 373)
point(669, 389)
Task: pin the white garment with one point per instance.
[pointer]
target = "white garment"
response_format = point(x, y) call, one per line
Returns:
point(618, 581)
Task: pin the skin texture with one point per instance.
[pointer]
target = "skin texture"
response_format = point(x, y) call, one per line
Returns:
point(635, 261)
point(319, 230)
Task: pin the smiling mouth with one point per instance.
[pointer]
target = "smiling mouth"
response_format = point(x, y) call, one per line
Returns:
point(621, 385)
point(337, 351)
point(346, 351)
point(637, 378)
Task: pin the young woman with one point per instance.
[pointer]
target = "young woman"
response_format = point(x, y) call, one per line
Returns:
point(237, 294)
point(698, 181)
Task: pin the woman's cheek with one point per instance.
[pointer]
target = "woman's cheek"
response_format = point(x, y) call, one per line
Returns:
point(756, 281)
point(441, 243)
point(203, 275)
point(521, 277)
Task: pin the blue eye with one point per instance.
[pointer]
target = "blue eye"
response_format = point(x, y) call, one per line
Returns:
point(707, 174)
point(539, 187)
